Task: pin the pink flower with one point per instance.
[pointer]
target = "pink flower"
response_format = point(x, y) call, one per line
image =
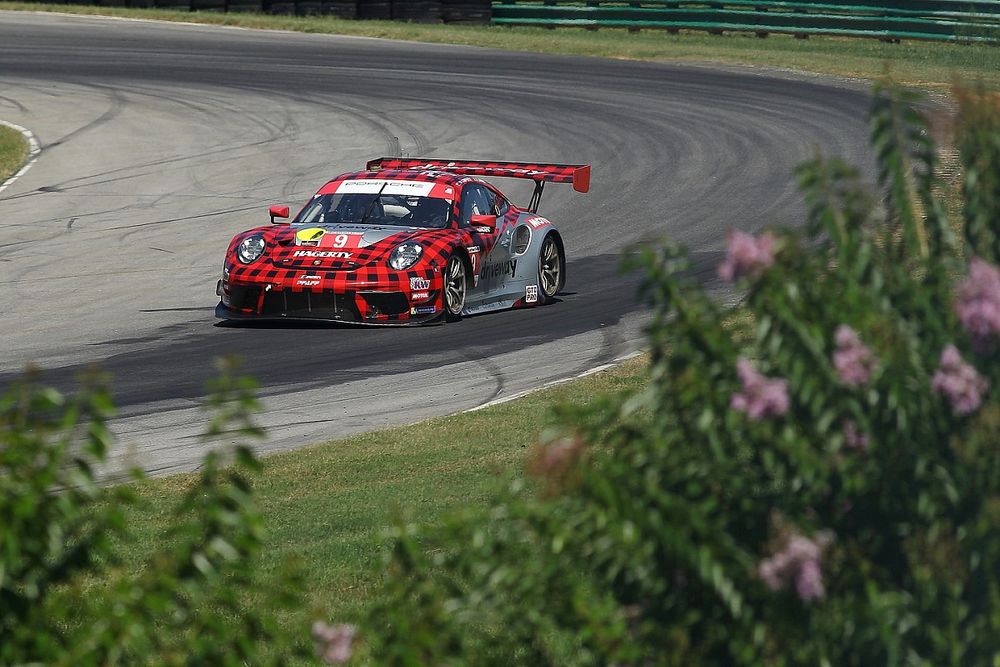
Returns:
point(854, 438)
point(746, 255)
point(852, 359)
point(761, 396)
point(334, 642)
point(959, 382)
point(809, 581)
point(798, 563)
point(977, 302)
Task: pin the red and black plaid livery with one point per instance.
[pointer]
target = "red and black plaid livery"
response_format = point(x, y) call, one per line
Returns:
point(577, 174)
point(363, 287)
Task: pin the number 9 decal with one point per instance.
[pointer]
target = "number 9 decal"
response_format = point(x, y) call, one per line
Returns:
point(340, 240)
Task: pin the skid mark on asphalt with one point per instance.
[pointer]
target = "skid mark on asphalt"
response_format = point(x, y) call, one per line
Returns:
point(493, 371)
point(116, 103)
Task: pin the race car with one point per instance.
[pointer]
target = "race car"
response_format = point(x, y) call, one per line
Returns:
point(406, 241)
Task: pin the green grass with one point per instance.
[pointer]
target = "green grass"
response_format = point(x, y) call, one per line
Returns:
point(330, 505)
point(13, 151)
point(926, 64)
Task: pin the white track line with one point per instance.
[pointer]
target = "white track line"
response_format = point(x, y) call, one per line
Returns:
point(34, 150)
point(554, 383)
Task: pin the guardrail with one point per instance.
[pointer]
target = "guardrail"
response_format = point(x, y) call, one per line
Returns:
point(944, 20)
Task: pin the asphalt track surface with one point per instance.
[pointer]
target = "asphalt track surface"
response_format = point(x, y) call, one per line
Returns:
point(160, 141)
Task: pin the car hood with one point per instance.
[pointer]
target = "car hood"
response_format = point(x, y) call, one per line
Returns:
point(333, 246)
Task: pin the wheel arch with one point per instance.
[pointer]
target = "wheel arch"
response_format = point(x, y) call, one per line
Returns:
point(557, 237)
point(460, 250)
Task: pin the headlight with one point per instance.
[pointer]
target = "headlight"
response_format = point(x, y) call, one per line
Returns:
point(405, 255)
point(251, 248)
point(522, 237)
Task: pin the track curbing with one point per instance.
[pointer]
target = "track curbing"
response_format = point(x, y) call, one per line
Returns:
point(618, 361)
point(34, 151)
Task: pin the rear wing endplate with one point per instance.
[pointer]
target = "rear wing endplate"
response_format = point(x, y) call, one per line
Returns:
point(576, 174)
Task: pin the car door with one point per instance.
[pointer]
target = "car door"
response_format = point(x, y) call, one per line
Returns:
point(489, 252)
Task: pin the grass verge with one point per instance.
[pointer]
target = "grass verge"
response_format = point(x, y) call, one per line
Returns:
point(925, 64)
point(328, 506)
point(13, 151)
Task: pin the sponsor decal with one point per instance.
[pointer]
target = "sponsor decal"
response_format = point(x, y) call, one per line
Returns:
point(309, 235)
point(328, 254)
point(374, 185)
point(420, 296)
point(420, 284)
point(342, 240)
point(482, 230)
point(531, 294)
point(422, 310)
point(499, 269)
point(537, 222)
point(307, 281)
point(473, 249)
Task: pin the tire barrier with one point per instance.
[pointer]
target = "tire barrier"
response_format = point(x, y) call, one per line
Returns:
point(308, 7)
point(419, 11)
point(475, 12)
point(208, 5)
point(281, 7)
point(180, 5)
point(342, 9)
point(246, 6)
point(414, 11)
point(375, 10)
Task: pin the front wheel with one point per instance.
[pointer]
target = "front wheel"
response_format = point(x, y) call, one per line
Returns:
point(455, 285)
point(551, 269)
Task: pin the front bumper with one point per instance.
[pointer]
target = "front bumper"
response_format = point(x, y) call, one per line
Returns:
point(317, 298)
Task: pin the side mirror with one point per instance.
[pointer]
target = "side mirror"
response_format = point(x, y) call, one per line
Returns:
point(489, 221)
point(278, 212)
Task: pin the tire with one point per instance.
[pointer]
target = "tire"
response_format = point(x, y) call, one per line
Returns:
point(278, 7)
point(308, 7)
point(375, 9)
point(254, 6)
point(456, 286)
point(343, 9)
point(551, 269)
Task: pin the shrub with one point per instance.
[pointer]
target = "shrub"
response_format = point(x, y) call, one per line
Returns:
point(823, 489)
point(63, 601)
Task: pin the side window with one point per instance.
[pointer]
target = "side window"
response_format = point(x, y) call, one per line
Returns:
point(476, 200)
point(501, 206)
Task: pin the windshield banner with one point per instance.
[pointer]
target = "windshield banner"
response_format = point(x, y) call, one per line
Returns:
point(370, 186)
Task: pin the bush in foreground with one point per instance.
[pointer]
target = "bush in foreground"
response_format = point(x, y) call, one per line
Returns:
point(823, 490)
point(62, 599)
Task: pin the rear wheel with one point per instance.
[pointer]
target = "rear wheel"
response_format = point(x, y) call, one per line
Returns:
point(551, 269)
point(455, 285)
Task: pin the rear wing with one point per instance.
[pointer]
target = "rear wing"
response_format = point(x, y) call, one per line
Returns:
point(576, 174)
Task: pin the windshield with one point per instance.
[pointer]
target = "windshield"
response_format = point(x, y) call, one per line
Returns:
point(401, 210)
